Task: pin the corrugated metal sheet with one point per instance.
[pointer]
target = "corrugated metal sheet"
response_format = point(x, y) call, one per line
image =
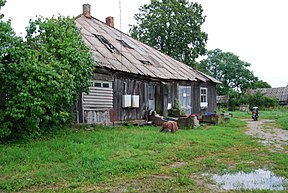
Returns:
point(98, 99)
point(138, 58)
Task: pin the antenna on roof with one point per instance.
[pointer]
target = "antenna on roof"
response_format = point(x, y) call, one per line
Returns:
point(120, 23)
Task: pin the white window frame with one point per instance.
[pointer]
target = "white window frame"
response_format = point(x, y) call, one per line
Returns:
point(203, 103)
point(101, 84)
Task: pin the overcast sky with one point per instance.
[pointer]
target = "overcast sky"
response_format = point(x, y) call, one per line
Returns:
point(255, 30)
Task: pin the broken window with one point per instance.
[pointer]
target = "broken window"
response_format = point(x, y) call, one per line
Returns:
point(106, 43)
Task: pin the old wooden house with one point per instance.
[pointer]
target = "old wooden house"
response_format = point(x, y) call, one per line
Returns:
point(131, 77)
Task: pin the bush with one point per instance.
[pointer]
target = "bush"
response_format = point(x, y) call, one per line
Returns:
point(42, 77)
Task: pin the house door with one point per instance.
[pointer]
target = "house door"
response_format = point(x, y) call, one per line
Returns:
point(184, 96)
point(155, 95)
point(159, 99)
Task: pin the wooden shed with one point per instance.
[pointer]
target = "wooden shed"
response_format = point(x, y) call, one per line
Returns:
point(132, 77)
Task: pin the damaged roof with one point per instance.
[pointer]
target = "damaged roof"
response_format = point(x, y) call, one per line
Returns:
point(116, 50)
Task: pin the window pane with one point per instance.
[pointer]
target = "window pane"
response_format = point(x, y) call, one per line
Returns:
point(97, 84)
point(106, 85)
point(203, 95)
point(203, 91)
point(185, 98)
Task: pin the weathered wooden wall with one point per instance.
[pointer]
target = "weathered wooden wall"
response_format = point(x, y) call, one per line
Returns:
point(133, 87)
point(211, 96)
point(104, 105)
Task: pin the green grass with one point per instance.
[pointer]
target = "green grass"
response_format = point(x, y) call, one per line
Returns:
point(132, 159)
point(280, 115)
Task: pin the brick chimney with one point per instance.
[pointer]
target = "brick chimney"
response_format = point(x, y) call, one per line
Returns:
point(87, 10)
point(110, 21)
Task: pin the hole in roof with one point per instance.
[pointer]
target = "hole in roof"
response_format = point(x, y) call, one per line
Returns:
point(106, 43)
point(145, 62)
point(123, 43)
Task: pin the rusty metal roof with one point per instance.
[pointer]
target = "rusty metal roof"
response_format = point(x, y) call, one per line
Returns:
point(116, 50)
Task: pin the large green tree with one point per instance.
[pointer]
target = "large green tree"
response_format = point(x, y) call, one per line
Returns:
point(231, 71)
point(42, 76)
point(173, 27)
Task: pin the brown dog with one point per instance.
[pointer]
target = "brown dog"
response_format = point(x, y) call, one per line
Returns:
point(169, 126)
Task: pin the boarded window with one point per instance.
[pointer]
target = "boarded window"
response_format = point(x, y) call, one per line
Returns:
point(100, 96)
point(184, 96)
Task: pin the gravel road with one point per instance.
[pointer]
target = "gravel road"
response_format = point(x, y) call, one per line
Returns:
point(276, 139)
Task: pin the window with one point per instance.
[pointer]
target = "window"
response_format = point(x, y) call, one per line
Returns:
point(203, 97)
point(97, 84)
point(151, 97)
point(106, 43)
point(169, 97)
point(101, 84)
point(184, 97)
point(105, 85)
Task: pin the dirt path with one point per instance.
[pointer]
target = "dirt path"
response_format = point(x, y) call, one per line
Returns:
point(276, 139)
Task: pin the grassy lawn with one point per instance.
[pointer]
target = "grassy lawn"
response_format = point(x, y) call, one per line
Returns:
point(133, 159)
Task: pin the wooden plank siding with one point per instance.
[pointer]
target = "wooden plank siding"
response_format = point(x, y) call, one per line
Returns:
point(132, 87)
point(100, 102)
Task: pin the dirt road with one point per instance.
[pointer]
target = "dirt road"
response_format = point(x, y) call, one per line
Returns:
point(274, 138)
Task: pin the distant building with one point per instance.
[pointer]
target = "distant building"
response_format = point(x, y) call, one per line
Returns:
point(281, 93)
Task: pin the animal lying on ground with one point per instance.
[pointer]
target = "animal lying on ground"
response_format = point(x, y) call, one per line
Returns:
point(169, 126)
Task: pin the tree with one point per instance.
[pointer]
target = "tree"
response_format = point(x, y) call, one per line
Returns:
point(260, 84)
point(41, 77)
point(172, 27)
point(230, 70)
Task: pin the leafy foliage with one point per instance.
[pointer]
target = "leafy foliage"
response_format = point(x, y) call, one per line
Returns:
point(41, 77)
point(173, 27)
point(229, 69)
point(234, 74)
point(258, 99)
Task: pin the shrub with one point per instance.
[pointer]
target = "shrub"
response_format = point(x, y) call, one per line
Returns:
point(42, 77)
point(258, 99)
